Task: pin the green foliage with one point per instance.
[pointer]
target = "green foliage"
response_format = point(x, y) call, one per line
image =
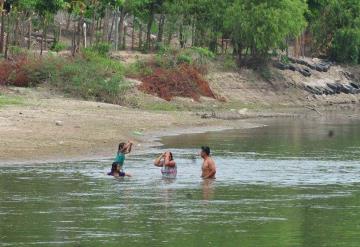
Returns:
point(229, 63)
point(101, 48)
point(335, 29)
point(260, 26)
point(346, 45)
point(170, 57)
point(183, 58)
point(284, 59)
point(139, 68)
point(88, 76)
point(15, 50)
point(58, 46)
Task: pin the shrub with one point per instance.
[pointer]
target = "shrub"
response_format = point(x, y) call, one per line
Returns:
point(88, 75)
point(139, 68)
point(58, 46)
point(101, 48)
point(183, 58)
point(91, 77)
point(196, 56)
point(184, 81)
point(346, 46)
point(229, 63)
point(18, 71)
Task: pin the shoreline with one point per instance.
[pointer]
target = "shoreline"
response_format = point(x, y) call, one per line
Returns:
point(153, 138)
point(53, 129)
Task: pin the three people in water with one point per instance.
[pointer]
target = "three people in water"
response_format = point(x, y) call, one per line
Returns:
point(165, 161)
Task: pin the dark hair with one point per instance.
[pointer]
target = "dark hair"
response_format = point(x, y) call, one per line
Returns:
point(171, 156)
point(206, 150)
point(121, 146)
point(113, 168)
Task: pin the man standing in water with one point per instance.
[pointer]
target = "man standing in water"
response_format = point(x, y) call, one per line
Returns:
point(208, 168)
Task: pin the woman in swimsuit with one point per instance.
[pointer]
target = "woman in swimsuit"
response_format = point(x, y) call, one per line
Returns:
point(168, 165)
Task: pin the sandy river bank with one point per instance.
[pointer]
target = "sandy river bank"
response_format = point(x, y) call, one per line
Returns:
point(56, 129)
point(48, 127)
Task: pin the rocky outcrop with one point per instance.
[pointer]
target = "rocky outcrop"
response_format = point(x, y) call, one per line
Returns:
point(303, 66)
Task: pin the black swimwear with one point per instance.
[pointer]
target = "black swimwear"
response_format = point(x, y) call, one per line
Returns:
point(121, 174)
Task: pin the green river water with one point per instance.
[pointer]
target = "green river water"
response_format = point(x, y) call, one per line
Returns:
point(294, 182)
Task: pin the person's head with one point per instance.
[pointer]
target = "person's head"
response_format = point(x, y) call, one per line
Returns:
point(205, 151)
point(115, 167)
point(170, 156)
point(121, 147)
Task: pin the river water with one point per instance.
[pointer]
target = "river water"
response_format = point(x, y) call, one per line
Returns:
point(290, 183)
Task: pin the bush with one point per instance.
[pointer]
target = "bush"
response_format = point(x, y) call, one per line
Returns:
point(346, 46)
point(196, 56)
point(183, 58)
point(91, 77)
point(139, 68)
point(58, 46)
point(19, 71)
point(101, 48)
point(88, 75)
point(229, 63)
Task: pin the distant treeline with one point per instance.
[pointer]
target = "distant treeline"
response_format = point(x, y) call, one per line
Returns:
point(248, 29)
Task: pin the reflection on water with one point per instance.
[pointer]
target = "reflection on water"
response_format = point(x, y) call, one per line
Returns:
point(288, 184)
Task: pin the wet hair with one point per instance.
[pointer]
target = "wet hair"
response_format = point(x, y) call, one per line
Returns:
point(121, 146)
point(113, 168)
point(206, 150)
point(171, 156)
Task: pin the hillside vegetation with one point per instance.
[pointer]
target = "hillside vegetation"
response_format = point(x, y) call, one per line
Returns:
point(72, 47)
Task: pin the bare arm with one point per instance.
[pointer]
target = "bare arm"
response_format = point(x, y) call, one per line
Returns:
point(157, 162)
point(127, 148)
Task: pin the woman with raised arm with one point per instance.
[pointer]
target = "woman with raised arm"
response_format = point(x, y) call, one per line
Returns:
point(168, 165)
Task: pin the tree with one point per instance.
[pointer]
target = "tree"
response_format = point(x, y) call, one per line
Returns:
point(336, 30)
point(46, 9)
point(259, 26)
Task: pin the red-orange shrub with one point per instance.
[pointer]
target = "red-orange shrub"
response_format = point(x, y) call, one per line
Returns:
point(183, 81)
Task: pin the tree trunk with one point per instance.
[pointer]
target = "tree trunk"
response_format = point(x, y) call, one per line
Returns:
point(140, 35)
point(121, 26)
point(133, 34)
point(45, 36)
point(92, 28)
point(113, 22)
point(106, 25)
point(181, 37)
point(116, 38)
point(148, 31)
point(7, 37)
point(161, 28)
point(193, 33)
point(15, 41)
point(42, 38)
point(78, 35)
point(2, 30)
point(124, 38)
point(68, 22)
point(73, 42)
point(29, 33)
